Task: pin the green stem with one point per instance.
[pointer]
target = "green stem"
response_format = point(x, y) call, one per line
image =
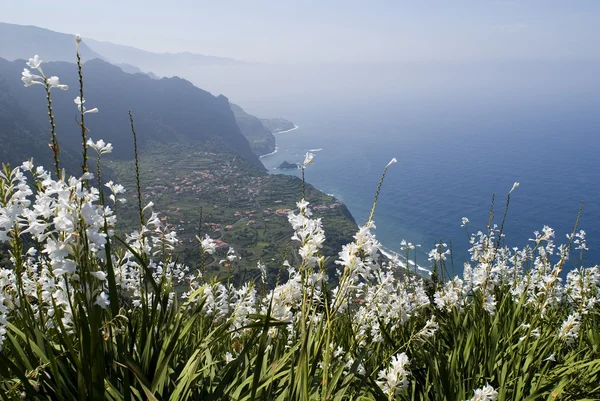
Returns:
point(84, 166)
point(54, 141)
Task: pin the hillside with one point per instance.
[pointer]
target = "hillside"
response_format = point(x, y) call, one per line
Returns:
point(241, 207)
point(261, 138)
point(165, 110)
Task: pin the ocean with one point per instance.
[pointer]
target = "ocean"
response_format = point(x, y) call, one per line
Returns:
point(450, 162)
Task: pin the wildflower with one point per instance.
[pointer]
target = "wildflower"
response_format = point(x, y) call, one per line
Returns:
point(551, 358)
point(148, 206)
point(102, 300)
point(115, 189)
point(263, 271)
point(438, 254)
point(515, 186)
point(79, 102)
point(309, 232)
point(308, 159)
point(391, 162)
point(395, 378)
point(101, 147)
point(451, 295)
point(34, 62)
point(78, 38)
point(429, 329)
point(489, 304)
point(486, 393)
point(569, 330)
point(30, 79)
point(28, 165)
point(465, 221)
point(405, 246)
point(579, 240)
point(53, 82)
point(207, 244)
point(99, 275)
point(228, 357)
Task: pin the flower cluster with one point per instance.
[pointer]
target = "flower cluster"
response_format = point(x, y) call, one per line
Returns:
point(486, 393)
point(30, 79)
point(395, 378)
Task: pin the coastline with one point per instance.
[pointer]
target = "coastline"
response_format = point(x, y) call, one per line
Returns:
point(386, 252)
point(391, 254)
point(276, 147)
point(269, 154)
point(287, 130)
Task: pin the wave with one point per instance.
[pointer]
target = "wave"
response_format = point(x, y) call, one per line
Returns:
point(287, 130)
point(315, 150)
point(269, 154)
point(390, 254)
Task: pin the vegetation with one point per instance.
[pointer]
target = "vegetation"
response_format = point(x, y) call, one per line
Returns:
point(260, 137)
point(89, 314)
point(237, 205)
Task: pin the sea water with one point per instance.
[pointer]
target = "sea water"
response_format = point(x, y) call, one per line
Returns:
point(450, 163)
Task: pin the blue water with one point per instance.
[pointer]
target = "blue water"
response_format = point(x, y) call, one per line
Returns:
point(450, 162)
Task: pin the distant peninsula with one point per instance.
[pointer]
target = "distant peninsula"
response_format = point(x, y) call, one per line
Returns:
point(288, 166)
point(259, 131)
point(276, 125)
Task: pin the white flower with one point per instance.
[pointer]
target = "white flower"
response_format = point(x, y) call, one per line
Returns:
point(429, 329)
point(263, 272)
point(102, 300)
point(207, 244)
point(99, 275)
point(100, 146)
point(29, 79)
point(486, 393)
point(116, 189)
point(391, 162)
point(34, 62)
point(395, 377)
point(78, 38)
point(79, 102)
point(551, 358)
point(53, 82)
point(438, 254)
point(569, 331)
point(228, 357)
point(28, 165)
point(515, 186)
point(405, 246)
point(308, 159)
point(465, 221)
point(148, 206)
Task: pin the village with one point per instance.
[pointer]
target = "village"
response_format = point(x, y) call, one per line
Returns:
point(237, 205)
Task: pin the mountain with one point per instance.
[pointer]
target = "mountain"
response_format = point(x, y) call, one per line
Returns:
point(165, 110)
point(150, 61)
point(260, 137)
point(23, 41)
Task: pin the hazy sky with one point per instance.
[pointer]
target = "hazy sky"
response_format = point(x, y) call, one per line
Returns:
point(331, 31)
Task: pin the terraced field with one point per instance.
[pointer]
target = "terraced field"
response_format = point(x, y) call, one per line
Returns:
point(202, 192)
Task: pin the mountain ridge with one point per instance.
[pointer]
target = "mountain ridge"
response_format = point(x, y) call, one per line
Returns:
point(164, 110)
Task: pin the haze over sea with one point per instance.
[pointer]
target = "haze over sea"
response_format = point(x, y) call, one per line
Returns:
point(452, 156)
